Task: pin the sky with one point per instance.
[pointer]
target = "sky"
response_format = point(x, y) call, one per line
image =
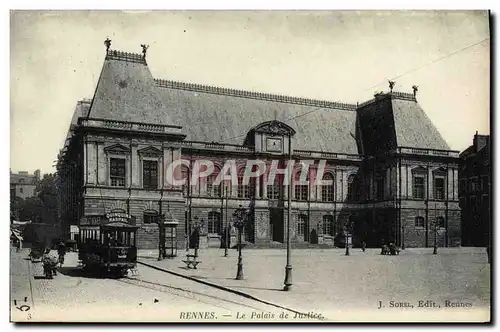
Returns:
point(56, 59)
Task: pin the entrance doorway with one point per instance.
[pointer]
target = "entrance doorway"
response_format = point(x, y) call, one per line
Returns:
point(277, 224)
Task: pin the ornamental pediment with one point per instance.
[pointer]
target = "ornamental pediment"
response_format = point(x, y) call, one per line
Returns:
point(150, 151)
point(117, 149)
point(440, 170)
point(419, 169)
point(275, 128)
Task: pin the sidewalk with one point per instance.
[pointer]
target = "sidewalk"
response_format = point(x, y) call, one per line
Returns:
point(325, 280)
point(21, 299)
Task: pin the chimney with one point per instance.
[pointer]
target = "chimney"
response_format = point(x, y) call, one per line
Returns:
point(480, 141)
point(37, 174)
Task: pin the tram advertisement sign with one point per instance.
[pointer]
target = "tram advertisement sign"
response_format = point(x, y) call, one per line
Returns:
point(118, 216)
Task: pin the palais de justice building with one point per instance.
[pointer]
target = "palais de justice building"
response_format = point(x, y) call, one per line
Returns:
point(394, 176)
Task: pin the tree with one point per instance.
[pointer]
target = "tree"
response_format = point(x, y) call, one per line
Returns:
point(47, 193)
point(31, 209)
point(16, 204)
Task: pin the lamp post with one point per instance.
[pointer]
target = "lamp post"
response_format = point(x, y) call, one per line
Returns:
point(239, 219)
point(161, 236)
point(226, 240)
point(347, 230)
point(288, 267)
point(197, 226)
point(403, 237)
point(435, 237)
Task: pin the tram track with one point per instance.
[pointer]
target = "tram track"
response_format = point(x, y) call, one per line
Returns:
point(212, 300)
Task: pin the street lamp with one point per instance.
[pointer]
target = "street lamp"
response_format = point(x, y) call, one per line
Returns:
point(161, 236)
point(347, 230)
point(197, 226)
point(346, 241)
point(435, 237)
point(226, 233)
point(288, 267)
point(240, 216)
point(403, 237)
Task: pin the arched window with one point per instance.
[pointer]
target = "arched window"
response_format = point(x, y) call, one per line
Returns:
point(327, 190)
point(214, 223)
point(212, 189)
point(329, 226)
point(352, 187)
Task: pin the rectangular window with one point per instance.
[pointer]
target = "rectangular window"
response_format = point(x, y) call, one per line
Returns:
point(243, 191)
point(301, 224)
point(301, 192)
point(474, 184)
point(380, 188)
point(150, 174)
point(418, 187)
point(328, 225)
point(214, 223)
point(419, 222)
point(461, 186)
point(273, 191)
point(485, 184)
point(327, 193)
point(150, 218)
point(440, 222)
point(21, 190)
point(439, 188)
point(117, 172)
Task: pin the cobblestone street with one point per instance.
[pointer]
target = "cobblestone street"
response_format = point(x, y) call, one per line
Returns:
point(150, 296)
point(350, 287)
point(324, 283)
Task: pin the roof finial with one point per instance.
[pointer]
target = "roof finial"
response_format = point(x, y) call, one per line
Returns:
point(415, 89)
point(144, 50)
point(391, 84)
point(107, 42)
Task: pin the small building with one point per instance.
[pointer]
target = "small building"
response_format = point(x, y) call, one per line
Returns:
point(23, 184)
point(475, 192)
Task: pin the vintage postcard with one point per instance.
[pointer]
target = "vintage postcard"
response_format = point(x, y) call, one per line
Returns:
point(250, 166)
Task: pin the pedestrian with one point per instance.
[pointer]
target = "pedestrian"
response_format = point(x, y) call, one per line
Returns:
point(363, 246)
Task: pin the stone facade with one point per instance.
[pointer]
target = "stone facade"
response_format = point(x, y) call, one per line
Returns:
point(475, 192)
point(393, 175)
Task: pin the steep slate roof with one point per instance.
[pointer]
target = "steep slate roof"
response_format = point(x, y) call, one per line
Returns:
point(126, 91)
point(396, 120)
point(414, 128)
point(224, 115)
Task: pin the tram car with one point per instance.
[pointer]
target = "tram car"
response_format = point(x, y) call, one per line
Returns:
point(108, 248)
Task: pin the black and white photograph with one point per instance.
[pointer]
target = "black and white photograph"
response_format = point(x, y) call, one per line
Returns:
point(253, 166)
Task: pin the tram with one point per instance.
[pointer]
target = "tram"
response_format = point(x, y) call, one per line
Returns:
point(108, 245)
